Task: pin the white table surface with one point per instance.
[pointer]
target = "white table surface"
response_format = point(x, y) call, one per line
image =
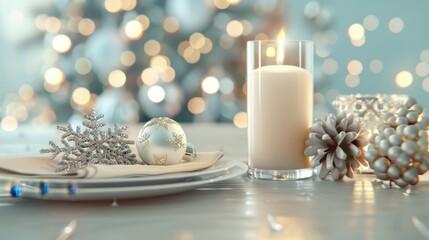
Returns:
point(233, 209)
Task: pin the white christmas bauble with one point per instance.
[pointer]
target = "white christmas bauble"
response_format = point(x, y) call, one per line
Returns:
point(161, 141)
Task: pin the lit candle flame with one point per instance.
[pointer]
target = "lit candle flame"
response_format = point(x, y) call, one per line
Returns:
point(280, 46)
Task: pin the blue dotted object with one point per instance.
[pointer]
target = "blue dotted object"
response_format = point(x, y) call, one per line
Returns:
point(72, 189)
point(16, 190)
point(44, 188)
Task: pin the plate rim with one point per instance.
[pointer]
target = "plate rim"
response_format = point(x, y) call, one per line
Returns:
point(144, 179)
point(84, 194)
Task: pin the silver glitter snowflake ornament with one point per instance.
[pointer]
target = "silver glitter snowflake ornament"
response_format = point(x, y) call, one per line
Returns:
point(91, 146)
point(337, 144)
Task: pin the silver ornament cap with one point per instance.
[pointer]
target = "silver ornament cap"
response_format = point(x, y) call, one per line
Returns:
point(190, 152)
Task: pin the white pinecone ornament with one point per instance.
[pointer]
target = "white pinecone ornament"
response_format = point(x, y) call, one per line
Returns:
point(337, 144)
point(399, 151)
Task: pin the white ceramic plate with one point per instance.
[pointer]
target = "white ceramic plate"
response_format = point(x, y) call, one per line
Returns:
point(218, 167)
point(129, 192)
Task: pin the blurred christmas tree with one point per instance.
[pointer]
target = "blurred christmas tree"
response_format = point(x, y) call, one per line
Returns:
point(133, 60)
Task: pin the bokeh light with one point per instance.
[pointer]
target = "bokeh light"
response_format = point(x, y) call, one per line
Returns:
point(226, 42)
point(51, 88)
point(425, 84)
point(396, 25)
point(86, 26)
point(354, 67)
point(168, 75)
point(234, 28)
point(117, 78)
point(81, 96)
point(40, 21)
point(210, 85)
point(424, 55)
point(422, 69)
point(113, 6)
point(17, 110)
point(182, 47)
point(247, 27)
point(144, 21)
point(376, 66)
point(26, 92)
point(197, 40)
point(134, 30)
point(261, 36)
point(191, 55)
point(221, 4)
point(152, 47)
point(52, 24)
point(128, 58)
point(61, 43)
point(270, 52)
point(404, 79)
point(370, 22)
point(312, 9)
point(330, 66)
point(156, 94)
point(159, 63)
point(54, 76)
point(171, 24)
point(208, 45)
point(233, 2)
point(128, 5)
point(352, 81)
point(149, 76)
point(9, 124)
point(83, 66)
point(196, 105)
point(358, 43)
point(322, 51)
point(356, 31)
point(240, 120)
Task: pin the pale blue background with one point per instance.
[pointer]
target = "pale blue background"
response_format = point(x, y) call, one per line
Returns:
point(398, 51)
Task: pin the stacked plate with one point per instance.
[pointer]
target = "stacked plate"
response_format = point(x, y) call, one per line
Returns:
point(124, 188)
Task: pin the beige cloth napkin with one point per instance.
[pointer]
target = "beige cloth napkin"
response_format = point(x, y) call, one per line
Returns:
point(43, 167)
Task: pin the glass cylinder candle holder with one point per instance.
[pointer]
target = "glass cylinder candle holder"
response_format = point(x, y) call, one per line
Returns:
point(279, 107)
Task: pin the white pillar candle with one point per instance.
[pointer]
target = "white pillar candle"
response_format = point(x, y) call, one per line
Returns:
point(280, 100)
